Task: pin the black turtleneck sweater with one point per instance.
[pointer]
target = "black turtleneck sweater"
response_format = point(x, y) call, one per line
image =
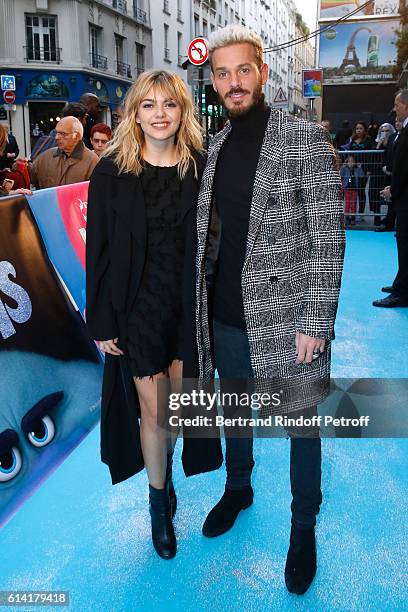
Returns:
point(233, 187)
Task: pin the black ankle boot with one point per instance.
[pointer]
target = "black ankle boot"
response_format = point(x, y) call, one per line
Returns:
point(164, 539)
point(222, 517)
point(301, 560)
point(170, 485)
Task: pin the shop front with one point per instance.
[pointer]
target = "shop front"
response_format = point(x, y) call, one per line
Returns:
point(42, 94)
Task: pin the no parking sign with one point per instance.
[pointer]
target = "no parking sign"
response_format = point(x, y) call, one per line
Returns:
point(198, 51)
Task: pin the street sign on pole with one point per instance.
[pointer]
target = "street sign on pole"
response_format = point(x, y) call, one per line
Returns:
point(198, 51)
point(8, 81)
point(9, 97)
point(312, 83)
point(281, 99)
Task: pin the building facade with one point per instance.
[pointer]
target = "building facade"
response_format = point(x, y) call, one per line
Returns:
point(60, 50)
point(303, 57)
point(171, 31)
point(276, 22)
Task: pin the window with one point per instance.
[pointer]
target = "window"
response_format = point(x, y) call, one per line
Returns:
point(196, 25)
point(93, 40)
point(96, 60)
point(166, 43)
point(120, 5)
point(121, 67)
point(138, 11)
point(41, 38)
point(119, 48)
point(205, 29)
point(140, 59)
point(179, 48)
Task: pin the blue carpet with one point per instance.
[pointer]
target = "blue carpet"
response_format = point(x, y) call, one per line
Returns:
point(78, 533)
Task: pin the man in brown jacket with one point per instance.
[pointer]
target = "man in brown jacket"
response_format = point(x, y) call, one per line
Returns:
point(69, 162)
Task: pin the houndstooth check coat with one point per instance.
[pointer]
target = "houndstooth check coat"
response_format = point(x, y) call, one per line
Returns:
point(294, 253)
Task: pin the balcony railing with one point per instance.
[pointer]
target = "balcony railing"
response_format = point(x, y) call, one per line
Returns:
point(138, 72)
point(123, 69)
point(167, 54)
point(179, 15)
point(120, 5)
point(179, 60)
point(139, 15)
point(166, 6)
point(42, 54)
point(98, 61)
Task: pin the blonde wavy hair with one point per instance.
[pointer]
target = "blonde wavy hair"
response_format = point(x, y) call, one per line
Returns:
point(126, 147)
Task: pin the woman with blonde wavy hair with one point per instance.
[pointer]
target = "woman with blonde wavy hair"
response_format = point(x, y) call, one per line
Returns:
point(140, 223)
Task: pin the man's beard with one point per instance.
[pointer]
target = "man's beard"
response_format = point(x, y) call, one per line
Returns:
point(239, 111)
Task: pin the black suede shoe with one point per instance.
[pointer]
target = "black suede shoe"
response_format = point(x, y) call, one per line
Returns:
point(164, 539)
point(222, 517)
point(392, 301)
point(170, 485)
point(301, 560)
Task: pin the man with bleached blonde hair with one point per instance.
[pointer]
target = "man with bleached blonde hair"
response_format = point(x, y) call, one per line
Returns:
point(268, 277)
point(69, 162)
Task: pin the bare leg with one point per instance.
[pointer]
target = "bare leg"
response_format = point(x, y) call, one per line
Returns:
point(175, 375)
point(153, 437)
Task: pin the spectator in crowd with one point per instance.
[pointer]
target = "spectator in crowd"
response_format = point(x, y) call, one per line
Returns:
point(7, 190)
point(5, 172)
point(101, 134)
point(344, 134)
point(373, 130)
point(8, 148)
point(398, 191)
point(377, 178)
point(351, 176)
point(361, 141)
point(71, 109)
point(384, 133)
point(118, 115)
point(327, 126)
point(93, 109)
point(388, 224)
point(69, 162)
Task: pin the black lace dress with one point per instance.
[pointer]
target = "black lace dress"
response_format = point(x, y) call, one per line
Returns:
point(154, 325)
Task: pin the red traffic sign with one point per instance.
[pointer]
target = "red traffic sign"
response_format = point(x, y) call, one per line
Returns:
point(9, 97)
point(198, 51)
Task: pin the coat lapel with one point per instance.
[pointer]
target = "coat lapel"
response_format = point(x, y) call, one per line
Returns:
point(268, 166)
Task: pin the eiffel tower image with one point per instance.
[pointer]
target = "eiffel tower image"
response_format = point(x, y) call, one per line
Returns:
point(351, 58)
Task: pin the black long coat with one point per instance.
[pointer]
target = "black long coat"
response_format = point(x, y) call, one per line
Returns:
point(115, 256)
point(399, 181)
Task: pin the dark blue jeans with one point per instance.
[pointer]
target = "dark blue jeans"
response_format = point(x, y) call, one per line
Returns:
point(233, 362)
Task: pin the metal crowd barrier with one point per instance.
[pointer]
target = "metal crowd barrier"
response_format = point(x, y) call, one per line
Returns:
point(363, 177)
